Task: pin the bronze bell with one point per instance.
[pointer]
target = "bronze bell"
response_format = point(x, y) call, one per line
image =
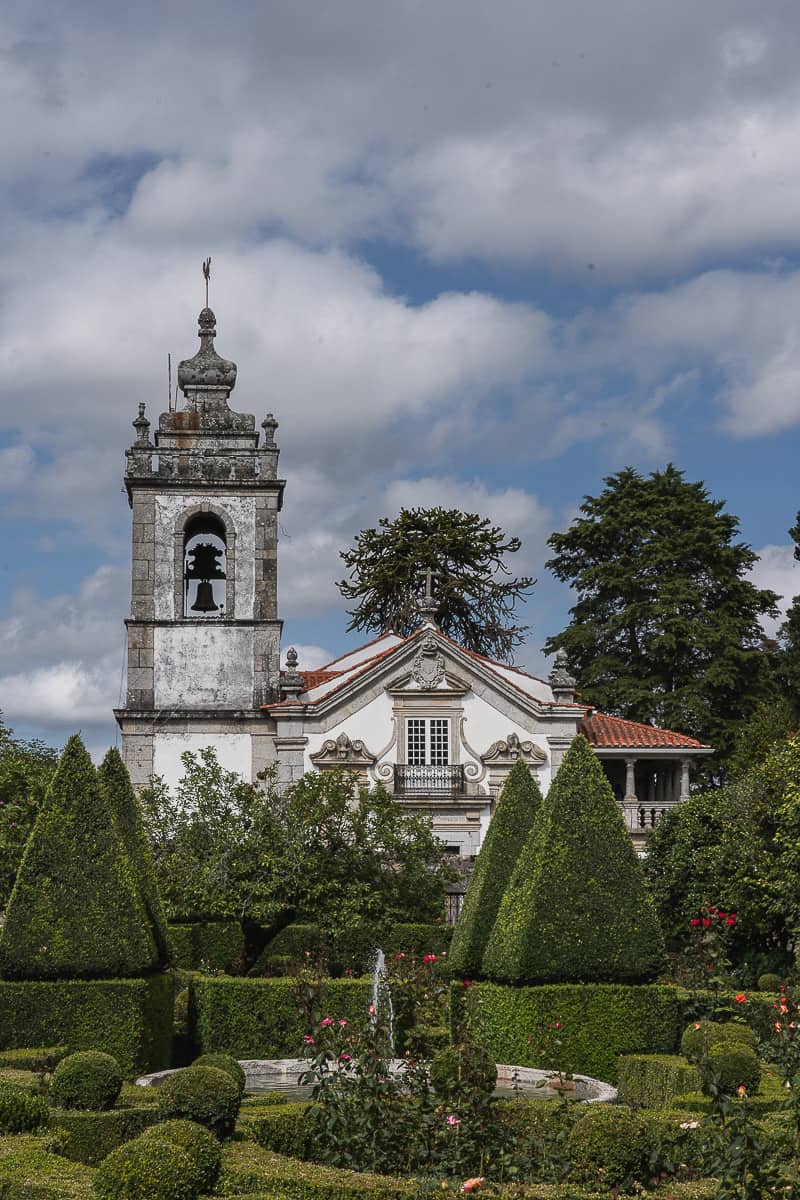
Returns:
point(204, 601)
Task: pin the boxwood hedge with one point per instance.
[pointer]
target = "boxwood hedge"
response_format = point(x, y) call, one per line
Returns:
point(259, 1018)
point(509, 829)
point(654, 1080)
point(218, 945)
point(128, 1018)
point(87, 1137)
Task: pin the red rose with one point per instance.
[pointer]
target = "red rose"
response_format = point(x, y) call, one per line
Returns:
point(705, 922)
point(696, 921)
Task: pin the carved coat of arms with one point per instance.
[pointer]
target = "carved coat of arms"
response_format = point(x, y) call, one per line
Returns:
point(428, 669)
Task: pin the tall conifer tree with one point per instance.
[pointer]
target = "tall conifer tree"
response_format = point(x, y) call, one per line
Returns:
point(577, 908)
point(76, 910)
point(508, 832)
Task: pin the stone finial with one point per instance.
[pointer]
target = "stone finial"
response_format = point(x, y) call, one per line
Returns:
point(207, 369)
point(292, 682)
point(428, 607)
point(560, 680)
point(269, 425)
point(142, 427)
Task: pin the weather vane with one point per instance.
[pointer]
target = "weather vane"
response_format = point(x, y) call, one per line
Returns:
point(207, 275)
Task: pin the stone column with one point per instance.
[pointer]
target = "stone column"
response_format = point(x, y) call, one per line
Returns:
point(684, 795)
point(630, 781)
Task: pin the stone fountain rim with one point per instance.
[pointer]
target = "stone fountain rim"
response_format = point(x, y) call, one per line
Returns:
point(262, 1069)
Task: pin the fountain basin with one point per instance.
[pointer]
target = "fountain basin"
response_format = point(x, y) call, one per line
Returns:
point(281, 1074)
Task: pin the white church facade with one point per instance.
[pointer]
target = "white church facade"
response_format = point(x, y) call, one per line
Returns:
point(438, 725)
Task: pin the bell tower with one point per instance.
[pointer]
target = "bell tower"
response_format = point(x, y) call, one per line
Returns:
point(204, 633)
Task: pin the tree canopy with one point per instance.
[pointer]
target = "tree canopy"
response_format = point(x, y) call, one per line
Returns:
point(666, 628)
point(466, 555)
point(223, 847)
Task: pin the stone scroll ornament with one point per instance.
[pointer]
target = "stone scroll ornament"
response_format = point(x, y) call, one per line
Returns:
point(428, 669)
point(508, 750)
point(343, 752)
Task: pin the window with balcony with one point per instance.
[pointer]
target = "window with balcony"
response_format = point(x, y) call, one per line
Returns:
point(428, 770)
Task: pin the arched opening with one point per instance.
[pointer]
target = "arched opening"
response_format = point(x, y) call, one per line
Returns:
point(205, 567)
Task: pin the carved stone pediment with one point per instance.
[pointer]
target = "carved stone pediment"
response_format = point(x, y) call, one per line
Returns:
point(428, 669)
point(506, 752)
point(343, 752)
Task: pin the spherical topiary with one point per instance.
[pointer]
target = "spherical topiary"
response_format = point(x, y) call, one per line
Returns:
point(609, 1146)
point(729, 1066)
point(88, 1079)
point(770, 983)
point(464, 1067)
point(224, 1062)
point(20, 1112)
point(203, 1094)
point(699, 1037)
point(147, 1168)
point(196, 1141)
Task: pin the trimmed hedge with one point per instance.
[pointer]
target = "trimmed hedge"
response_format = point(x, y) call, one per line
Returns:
point(258, 1018)
point(20, 1110)
point(218, 945)
point(419, 939)
point(698, 1038)
point(116, 787)
point(226, 1063)
point(509, 829)
point(611, 1146)
point(599, 1021)
point(249, 1170)
point(130, 1019)
point(75, 910)
point(87, 1137)
point(199, 1143)
point(147, 1169)
point(30, 1172)
point(770, 1098)
point(38, 1058)
point(281, 1128)
point(654, 1080)
point(577, 907)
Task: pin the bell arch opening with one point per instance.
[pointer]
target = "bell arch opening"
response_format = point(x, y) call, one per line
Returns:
point(205, 567)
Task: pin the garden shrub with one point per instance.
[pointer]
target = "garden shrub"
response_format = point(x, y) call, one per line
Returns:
point(698, 1038)
point(577, 905)
point(203, 1094)
point(207, 945)
point(247, 1169)
point(88, 1079)
point(419, 939)
point(770, 983)
point(598, 1022)
point(509, 829)
point(37, 1058)
point(259, 1018)
point(654, 1080)
point(130, 1019)
point(464, 1067)
point(610, 1146)
point(291, 942)
point(282, 1128)
point(728, 1066)
point(87, 1137)
point(29, 1171)
point(227, 1063)
point(20, 1111)
point(770, 1098)
point(147, 1168)
point(115, 784)
point(200, 1145)
point(76, 911)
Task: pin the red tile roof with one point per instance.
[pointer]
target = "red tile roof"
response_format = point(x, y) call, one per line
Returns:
point(613, 732)
point(312, 679)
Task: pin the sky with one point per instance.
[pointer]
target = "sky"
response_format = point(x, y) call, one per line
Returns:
point(477, 255)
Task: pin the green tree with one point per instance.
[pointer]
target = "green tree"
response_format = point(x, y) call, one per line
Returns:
point(737, 847)
point(577, 907)
point(519, 803)
point(666, 627)
point(466, 555)
point(317, 852)
point(26, 768)
point(789, 639)
point(76, 911)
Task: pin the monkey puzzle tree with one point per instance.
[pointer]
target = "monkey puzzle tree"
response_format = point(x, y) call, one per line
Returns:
point(465, 554)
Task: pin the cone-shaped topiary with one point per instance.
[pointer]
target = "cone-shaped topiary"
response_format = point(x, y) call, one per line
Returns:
point(510, 827)
point(115, 782)
point(75, 911)
point(577, 908)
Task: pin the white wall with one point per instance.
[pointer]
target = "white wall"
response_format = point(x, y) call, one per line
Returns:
point(201, 665)
point(234, 753)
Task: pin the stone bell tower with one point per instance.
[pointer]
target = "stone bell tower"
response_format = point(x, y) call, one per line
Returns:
point(203, 634)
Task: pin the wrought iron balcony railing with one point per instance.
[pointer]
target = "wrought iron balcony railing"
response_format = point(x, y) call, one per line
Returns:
point(428, 781)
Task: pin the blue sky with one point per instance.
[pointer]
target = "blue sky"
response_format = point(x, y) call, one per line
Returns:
point(473, 255)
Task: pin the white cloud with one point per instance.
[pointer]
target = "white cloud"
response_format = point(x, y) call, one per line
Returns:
point(778, 570)
point(309, 657)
